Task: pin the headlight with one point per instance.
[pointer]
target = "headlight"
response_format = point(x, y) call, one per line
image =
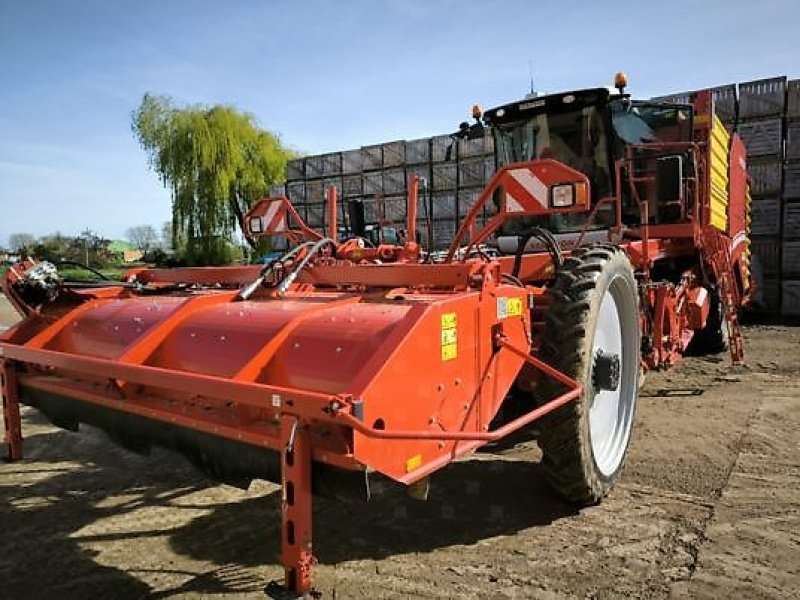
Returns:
point(562, 196)
point(256, 225)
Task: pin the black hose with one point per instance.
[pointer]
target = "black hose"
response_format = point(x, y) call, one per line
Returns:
point(85, 267)
point(547, 238)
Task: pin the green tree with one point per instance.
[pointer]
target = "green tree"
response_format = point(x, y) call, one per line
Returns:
point(87, 249)
point(216, 162)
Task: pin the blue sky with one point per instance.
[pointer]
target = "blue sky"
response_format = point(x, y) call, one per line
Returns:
point(324, 75)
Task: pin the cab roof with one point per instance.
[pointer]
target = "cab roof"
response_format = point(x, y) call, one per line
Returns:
point(552, 103)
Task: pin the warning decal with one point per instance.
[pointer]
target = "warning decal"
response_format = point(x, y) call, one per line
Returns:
point(509, 307)
point(449, 337)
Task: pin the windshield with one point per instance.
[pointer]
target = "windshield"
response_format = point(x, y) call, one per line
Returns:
point(641, 123)
point(577, 138)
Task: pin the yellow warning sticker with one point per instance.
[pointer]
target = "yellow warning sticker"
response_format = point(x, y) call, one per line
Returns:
point(509, 307)
point(449, 352)
point(414, 463)
point(449, 337)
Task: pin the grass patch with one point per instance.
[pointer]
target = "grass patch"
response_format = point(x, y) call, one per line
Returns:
point(77, 274)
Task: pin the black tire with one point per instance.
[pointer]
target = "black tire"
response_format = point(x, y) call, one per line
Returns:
point(568, 343)
point(713, 338)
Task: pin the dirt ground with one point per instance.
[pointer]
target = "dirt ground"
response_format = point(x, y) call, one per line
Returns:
point(708, 507)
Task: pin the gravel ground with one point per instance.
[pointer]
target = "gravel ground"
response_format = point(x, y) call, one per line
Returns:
point(708, 507)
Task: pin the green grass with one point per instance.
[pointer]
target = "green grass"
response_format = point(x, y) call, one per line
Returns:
point(77, 274)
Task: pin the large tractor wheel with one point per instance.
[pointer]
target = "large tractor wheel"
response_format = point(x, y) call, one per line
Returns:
point(592, 334)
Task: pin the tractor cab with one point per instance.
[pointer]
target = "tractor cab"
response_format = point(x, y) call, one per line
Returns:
point(589, 131)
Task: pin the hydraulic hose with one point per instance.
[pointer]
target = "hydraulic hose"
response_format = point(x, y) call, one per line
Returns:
point(250, 288)
point(547, 238)
point(284, 284)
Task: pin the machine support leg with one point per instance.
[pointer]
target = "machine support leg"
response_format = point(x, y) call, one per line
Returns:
point(11, 418)
point(296, 553)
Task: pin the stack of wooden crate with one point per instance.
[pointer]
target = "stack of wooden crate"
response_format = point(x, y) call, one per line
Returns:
point(766, 113)
point(790, 231)
point(452, 172)
point(762, 105)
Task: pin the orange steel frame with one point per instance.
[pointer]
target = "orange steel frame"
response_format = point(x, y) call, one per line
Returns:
point(296, 414)
point(287, 416)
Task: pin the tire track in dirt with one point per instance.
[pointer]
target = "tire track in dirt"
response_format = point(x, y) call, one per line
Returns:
point(751, 546)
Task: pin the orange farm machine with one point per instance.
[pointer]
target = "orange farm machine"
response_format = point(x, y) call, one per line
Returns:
point(619, 238)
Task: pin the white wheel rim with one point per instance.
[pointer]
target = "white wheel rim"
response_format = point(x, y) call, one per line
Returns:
point(611, 412)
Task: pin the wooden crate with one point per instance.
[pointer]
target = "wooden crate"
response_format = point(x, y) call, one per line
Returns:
point(332, 164)
point(315, 215)
point(443, 233)
point(296, 192)
point(767, 252)
point(793, 139)
point(472, 172)
point(424, 174)
point(418, 151)
point(793, 99)
point(766, 176)
point(444, 176)
point(372, 157)
point(791, 181)
point(765, 216)
point(373, 183)
point(676, 98)
point(332, 181)
point(314, 167)
point(394, 154)
point(443, 205)
point(476, 147)
point(315, 191)
point(790, 261)
point(296, 169)
point(726, 102)
point(790, 298)
point(351, 162)
point(467, 199)
point(791, 220)
point(762, 98)
point(491, 166)
point(389, 208)
point(352, 186)
point(763, 137)
point(394, 181)
point(439, 148)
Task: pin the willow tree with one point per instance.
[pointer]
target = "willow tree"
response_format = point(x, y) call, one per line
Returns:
point(216, 162)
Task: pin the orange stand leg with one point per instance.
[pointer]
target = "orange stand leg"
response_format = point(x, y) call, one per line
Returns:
point(11, 416)
point(296, 516)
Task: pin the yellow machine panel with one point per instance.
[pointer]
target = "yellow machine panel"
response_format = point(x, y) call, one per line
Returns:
point(720, 142)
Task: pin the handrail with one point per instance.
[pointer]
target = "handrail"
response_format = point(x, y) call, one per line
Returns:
point(575, 390)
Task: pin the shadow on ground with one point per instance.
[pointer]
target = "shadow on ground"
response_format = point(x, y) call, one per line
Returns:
point(469, 501)
point(48, 505)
